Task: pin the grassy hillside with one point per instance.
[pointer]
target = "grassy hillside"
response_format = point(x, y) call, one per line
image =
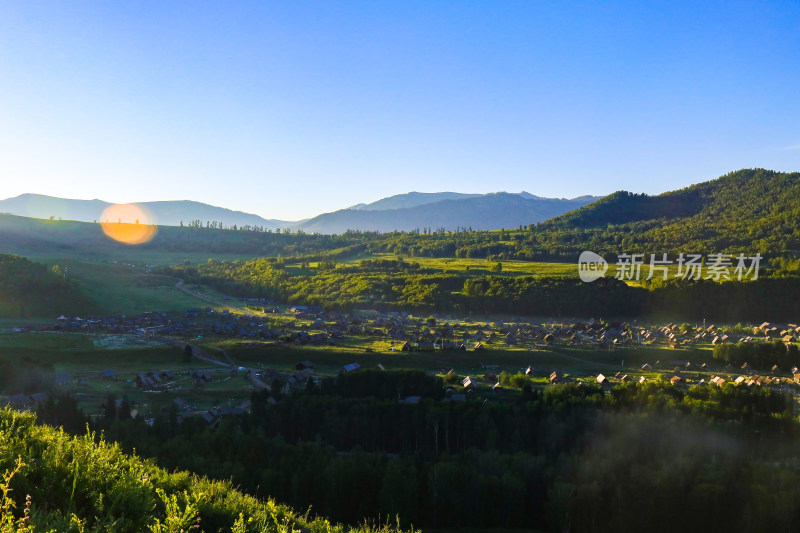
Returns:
point(53, 482)
point(56, 238)
point(749, 210)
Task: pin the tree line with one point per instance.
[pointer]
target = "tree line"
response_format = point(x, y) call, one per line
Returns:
point(566, 457)
point(402, 284)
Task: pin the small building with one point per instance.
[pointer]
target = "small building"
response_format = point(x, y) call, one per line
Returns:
point(467, 383)
point(352, 367)
point(19, 401)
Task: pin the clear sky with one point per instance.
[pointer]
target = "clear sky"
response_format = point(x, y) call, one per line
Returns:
point(289, 109)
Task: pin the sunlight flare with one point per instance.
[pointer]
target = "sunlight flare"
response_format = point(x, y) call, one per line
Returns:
point(129, 223)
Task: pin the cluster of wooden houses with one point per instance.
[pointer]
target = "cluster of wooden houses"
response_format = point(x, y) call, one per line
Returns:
point(678, 337)
point(303, 325)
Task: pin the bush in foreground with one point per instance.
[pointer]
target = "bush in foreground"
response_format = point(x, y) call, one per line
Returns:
point(53, 482)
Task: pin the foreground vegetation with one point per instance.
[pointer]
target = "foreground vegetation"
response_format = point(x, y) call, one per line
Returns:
point(569, 457)
point(53, 482)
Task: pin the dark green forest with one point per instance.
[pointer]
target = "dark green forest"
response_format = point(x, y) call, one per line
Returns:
point(572, 456)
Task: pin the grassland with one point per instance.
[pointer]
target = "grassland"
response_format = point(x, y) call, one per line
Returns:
point(570, 360)
point(516, 268)
point(121, 288)
point(482, 266)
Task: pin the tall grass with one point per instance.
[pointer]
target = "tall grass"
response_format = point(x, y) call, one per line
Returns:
point(53, 482)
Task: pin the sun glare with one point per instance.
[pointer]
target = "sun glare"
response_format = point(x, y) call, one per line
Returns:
point(129, 223)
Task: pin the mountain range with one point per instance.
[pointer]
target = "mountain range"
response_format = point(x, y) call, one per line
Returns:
point(403, 212)
point(445, 210)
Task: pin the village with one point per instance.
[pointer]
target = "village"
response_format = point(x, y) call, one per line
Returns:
point(227, 355)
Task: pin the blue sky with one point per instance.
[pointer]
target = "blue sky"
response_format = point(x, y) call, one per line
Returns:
point(290, 109)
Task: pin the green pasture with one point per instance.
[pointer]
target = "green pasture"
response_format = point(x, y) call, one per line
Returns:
point(515, 267)
point(143, 256)
point(482, 266)
point(45, 341)
point(578, 361)
point(81, 357)
point(120, 289)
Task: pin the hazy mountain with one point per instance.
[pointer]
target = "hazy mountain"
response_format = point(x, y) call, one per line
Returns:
point(167, 213)
point(488, 211)
point(411, 199)
point(402, 212)
point(414, 199)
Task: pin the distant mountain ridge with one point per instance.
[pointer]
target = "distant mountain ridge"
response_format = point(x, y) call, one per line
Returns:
point(167, 213)
point(403, 212)
point(479, 212)
point(411, 199)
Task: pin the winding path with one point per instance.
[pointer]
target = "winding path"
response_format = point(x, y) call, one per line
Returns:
point(203, 355)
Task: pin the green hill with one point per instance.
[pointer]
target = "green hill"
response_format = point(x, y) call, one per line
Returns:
point(31, 289)
point(55, 238)
point(750, 210)
point(53, 482)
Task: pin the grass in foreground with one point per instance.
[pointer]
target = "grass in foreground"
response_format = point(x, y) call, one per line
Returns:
point(53, 482)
